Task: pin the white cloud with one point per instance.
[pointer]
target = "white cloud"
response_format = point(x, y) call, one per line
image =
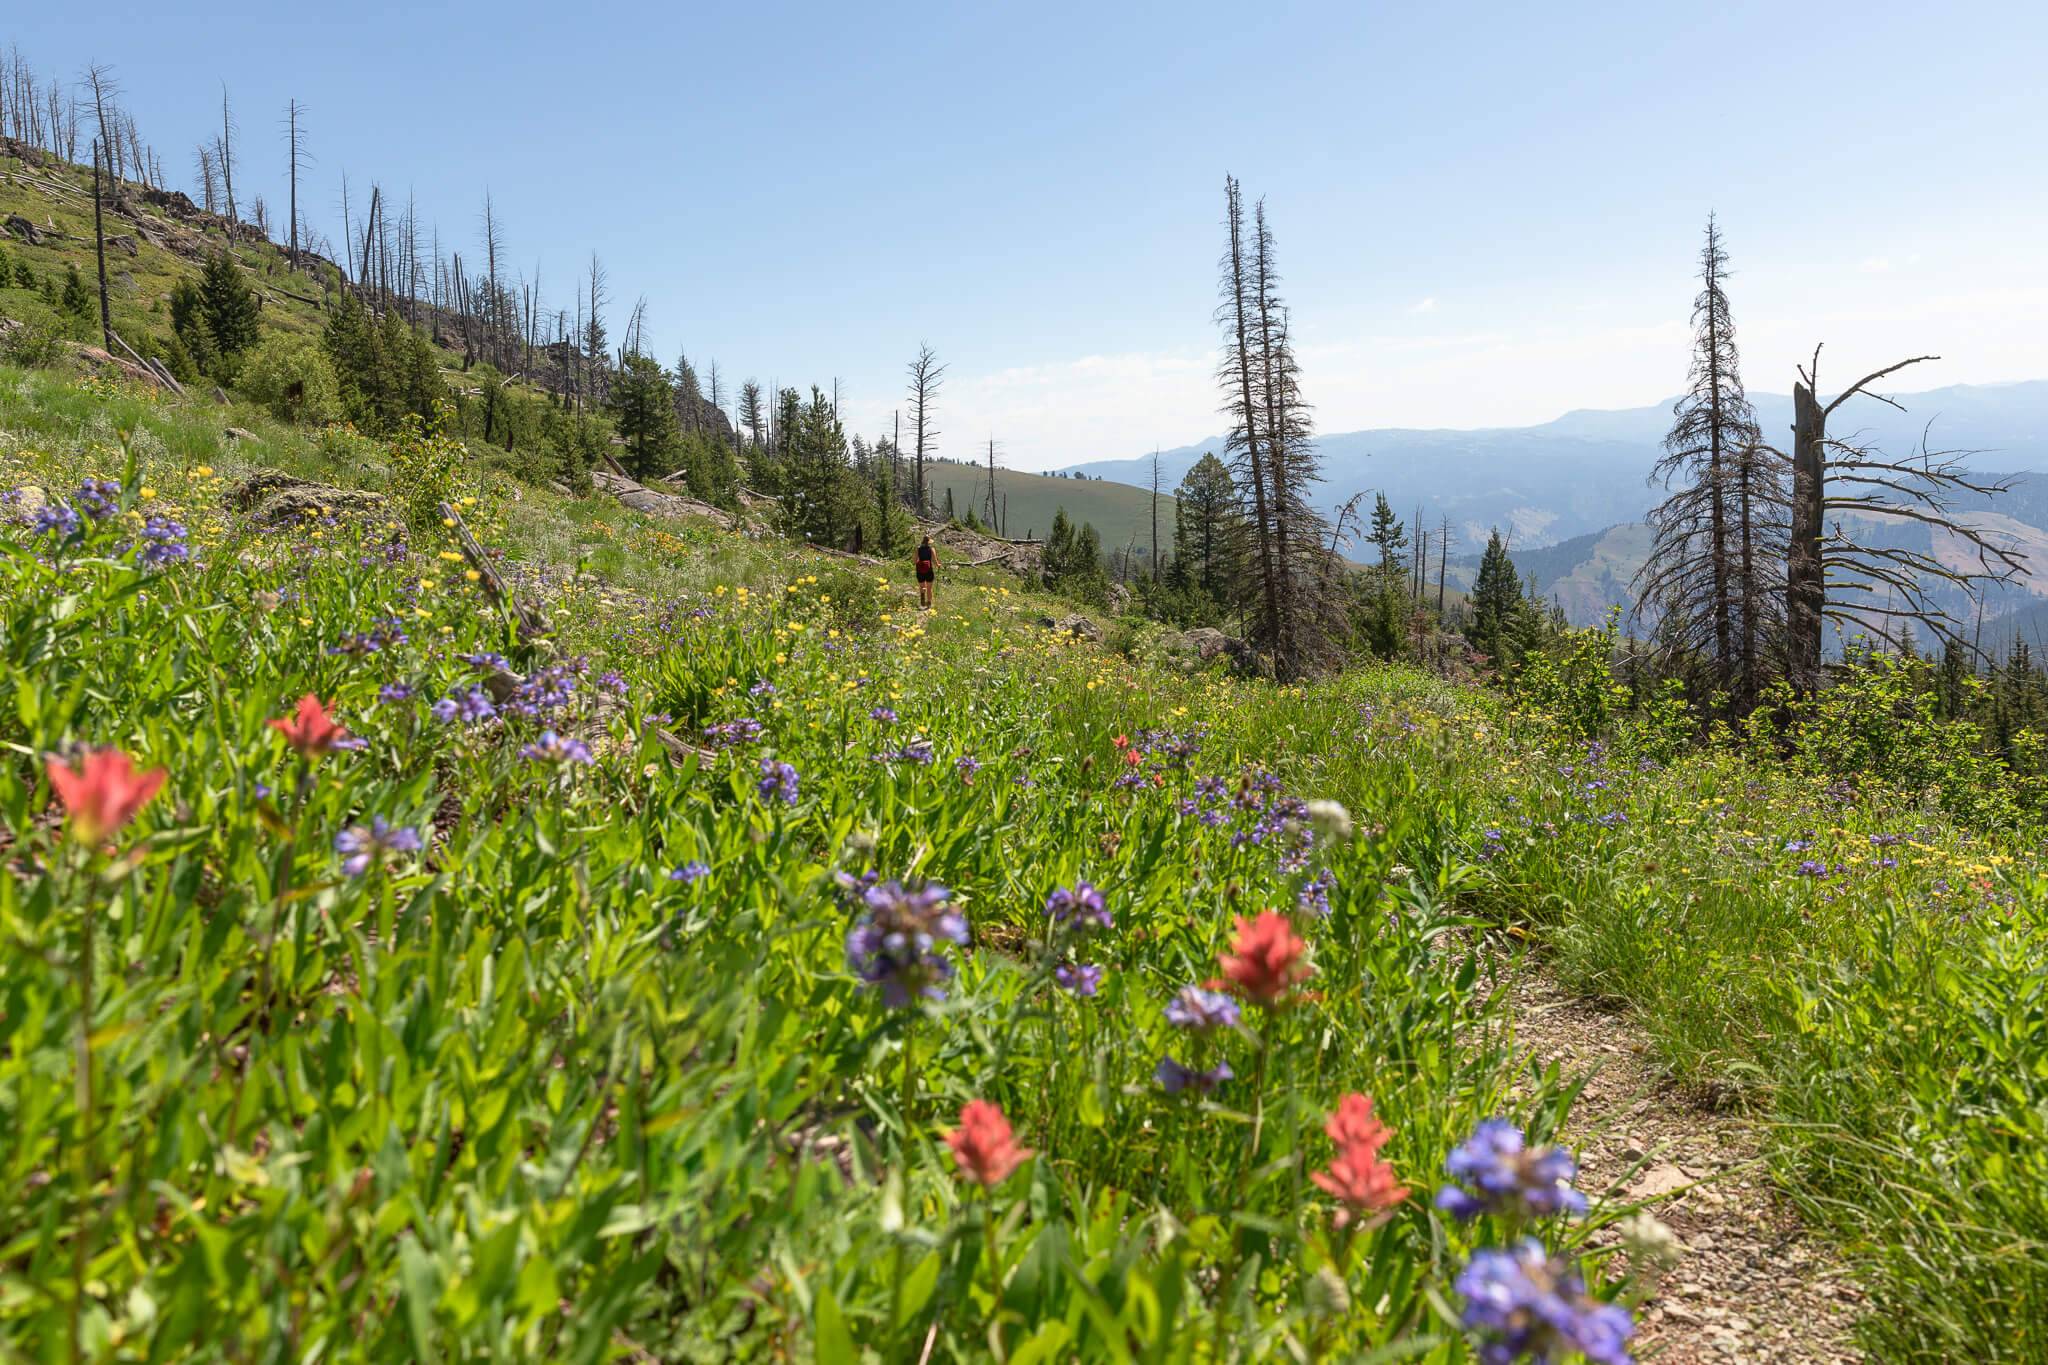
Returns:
point(1427, 305)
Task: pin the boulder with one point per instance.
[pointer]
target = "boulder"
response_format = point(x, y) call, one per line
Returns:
point(641, 498)
point(274, 498)
point(1080, 627)
point(24, 503)
point(239, 434)
point(101, 362)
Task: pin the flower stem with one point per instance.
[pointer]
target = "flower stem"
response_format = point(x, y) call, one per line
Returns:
point(81, 1242)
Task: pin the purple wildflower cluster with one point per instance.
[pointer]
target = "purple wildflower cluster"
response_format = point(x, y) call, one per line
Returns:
point(386, 633)
point(692, 871)
point(549, 689)
point(100, 498)
point(1313, 896)
point(1526, 1305)
point(1078, 978)
point(898, 945)
point(55, 519)
point(730, 734)
point(967, 765)
point(1079, 908)
point(395, 692)
point(763, 688)
point(469, 706)
point(1174, 1078)
point(362, 845)
point(557, 749)
point(1505, 1175)
point(1200, 1013)
point(778, 782)
point(883, 714)
point(917, 751)
point(163, 543)
point(1076, 912)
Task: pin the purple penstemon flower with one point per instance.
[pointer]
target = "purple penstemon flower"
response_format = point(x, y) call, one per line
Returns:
point(918, 751)
point(1174, 1078)
point(763, 688)
point(1526, 1305)
point(1505, 1175)
point(778, 782)
point(689, 872)
point(100, 498)
point(967, 765)
point(1080, 908)
point(466, 705)
point(163, 543)
point(395, 692)
point(1078, 978)
point(727, 734)
point(554, 748)
point(362, 845)
point(898, 945)
point(1202, 1011)
point(883, 714)
point(57, 519)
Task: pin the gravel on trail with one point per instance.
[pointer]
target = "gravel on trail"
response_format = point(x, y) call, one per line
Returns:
point(1752, 1284)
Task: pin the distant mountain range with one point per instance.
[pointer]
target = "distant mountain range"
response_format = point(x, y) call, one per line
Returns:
point(1588, 470)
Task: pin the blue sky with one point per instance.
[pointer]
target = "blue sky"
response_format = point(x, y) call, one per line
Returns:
point(1486, 214)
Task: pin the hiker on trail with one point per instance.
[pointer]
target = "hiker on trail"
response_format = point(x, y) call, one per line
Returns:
point(927, 565)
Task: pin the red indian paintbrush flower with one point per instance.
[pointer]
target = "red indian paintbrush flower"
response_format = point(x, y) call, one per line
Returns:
point(1356, 1176)
point(983, 1146)
point(103, 793)
point(1266, 958)
point(1355, 1125)
point(311, 730)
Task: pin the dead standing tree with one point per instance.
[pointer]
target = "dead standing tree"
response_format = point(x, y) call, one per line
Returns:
point(926, 374)
point(1844, 476)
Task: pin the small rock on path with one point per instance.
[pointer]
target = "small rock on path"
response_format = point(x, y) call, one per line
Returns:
point(1753, 1285)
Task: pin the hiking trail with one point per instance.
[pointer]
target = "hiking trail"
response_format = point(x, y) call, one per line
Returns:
point(1753, 1285)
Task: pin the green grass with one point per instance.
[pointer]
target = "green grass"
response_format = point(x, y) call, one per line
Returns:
point(1120, 513)
point(524, 1096)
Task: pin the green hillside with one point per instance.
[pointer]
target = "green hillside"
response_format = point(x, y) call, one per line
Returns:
point(1121, 513)
point(550, 1010)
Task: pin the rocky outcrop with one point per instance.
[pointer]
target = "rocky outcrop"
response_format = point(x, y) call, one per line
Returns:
point(641, 498)
point(273, 498)
point(1080, 627)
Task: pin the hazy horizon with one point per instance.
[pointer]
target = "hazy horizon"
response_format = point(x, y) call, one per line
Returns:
point(1484, 219)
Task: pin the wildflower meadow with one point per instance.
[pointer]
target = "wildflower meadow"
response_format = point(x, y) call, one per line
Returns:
point(748, 965)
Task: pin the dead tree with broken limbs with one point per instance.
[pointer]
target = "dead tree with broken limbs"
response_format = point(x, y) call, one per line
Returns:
point(1832, 576)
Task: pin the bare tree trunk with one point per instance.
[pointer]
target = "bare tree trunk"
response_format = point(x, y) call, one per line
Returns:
point(1804, 593)
point(99, 248)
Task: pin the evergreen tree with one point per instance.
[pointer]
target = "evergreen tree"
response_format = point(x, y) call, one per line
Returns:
point(643, 407)
point(1071, 561)
point(1716, 563)
point(228, 307)
point(1496, 598)
point(821, 499)
point(78, 300)
point(1388, 536)
point(1208, 535)
point(752, 415)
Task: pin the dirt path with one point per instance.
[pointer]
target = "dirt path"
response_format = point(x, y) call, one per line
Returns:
point(1752, 1285)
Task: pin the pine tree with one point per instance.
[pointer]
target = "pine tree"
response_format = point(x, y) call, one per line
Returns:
point(1496, 598)
point(1718, 539)
point(77, 297)
point(1209, 531)
point(643, 407)
point(1388, 536)
point(752, 416)
point(228, 307)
